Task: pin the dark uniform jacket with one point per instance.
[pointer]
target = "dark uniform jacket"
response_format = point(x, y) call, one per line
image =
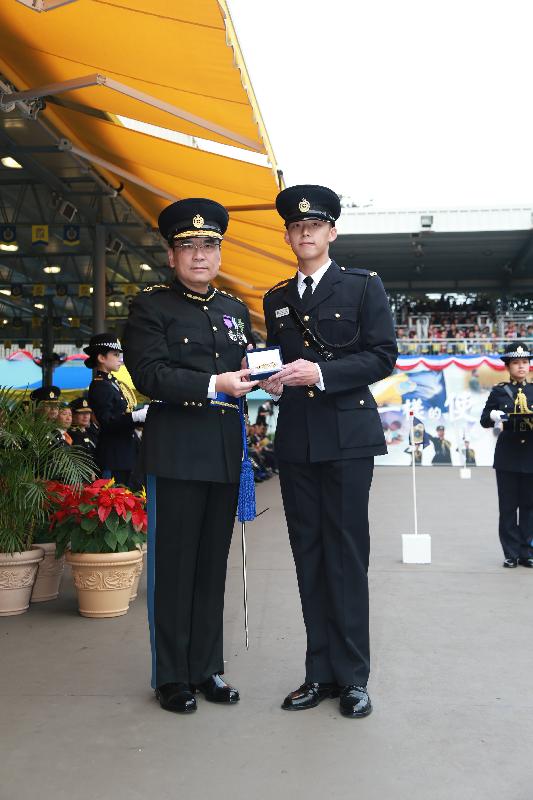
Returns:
point(443, 450)
point(174, 341)
point(514, 451)
point(349, 307)
point(87, 439)
point(115, 449)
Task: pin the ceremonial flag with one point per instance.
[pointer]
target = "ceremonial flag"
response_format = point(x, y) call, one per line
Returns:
point(39, 234)
point(84, 290)
point(38, 289)
point(8, 234)
point(71, 234)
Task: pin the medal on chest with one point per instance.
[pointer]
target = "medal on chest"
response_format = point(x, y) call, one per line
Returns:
point(234, 327)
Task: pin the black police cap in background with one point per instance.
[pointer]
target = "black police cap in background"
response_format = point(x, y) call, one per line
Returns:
point(80, 404)
point(48, 394)
point(195, 216)
point(515, 350)
point(101, 343)
point(308, 202)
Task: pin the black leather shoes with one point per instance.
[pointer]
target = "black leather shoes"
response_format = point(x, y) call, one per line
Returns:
point(355, 702)
point(309, 695)
point(217, 690)
point(510, 563)
point(176, 697)
point(526, 562)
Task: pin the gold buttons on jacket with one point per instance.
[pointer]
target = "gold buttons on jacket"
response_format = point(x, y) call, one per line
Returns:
point(193, 403)
point(222, 410)
point(215, 328)
point(361, 402)
point(310, 393)
point(186, 340)
point(306, 318)
point(217, 355)
point(337, 316)
point(522, 441)
point(185, 402)
point(199, 405)
point(306, 344)
point(206, 308)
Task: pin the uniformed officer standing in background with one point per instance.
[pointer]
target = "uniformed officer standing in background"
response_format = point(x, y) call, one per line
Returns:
point(113, 404)
point(183, 346)
point(83, 433)
point(513, 459)
point(46, 401)
point(336, 333)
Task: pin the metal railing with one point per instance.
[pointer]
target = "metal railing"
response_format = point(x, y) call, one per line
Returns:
point(471, 346)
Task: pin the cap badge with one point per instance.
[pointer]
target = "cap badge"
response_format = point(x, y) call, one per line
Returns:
point(51, 395)
point(520, 349)
point(198, 221)
point(304, 205)
point(84, 403)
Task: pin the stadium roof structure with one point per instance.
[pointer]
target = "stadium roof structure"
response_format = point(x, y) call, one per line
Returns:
point(109, 109)
point(441, 250)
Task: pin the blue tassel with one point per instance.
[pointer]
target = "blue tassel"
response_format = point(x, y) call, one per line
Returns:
point(246, 503)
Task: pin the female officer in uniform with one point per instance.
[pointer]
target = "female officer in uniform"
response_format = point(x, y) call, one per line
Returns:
point(113, 403)
point(513, 459)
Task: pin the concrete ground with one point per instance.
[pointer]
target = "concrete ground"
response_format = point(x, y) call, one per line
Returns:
point(451, 681)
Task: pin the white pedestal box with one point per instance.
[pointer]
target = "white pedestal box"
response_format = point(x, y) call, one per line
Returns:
point(416, 548)
point(466, 473)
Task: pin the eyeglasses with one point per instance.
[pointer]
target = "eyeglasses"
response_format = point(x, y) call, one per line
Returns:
point(189, 247)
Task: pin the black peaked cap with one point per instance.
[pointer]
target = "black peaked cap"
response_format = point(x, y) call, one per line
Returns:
point(308, 202)
point(195, 216)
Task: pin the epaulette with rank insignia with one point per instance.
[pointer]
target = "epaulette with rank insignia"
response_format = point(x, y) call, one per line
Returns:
point(223, 291)
point(156, 286)
point(356, 271)
point(278, 286)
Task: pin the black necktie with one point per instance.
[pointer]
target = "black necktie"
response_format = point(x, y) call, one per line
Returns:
point(308, 292)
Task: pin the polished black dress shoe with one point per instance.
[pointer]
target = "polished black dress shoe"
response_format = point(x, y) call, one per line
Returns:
point(510, 563)
point(355, 702)
point(176, 697)
point(526, 562)
point(217, 690)
point(309, 695)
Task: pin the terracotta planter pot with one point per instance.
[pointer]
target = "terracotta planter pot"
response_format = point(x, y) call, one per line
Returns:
point(46, 586)
point(103, 581)
point(17, 576)
point(138, 573)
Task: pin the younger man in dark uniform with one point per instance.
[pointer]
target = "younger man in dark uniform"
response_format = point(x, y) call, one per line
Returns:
point(113, 404)
point(513, 459)
point(336, 333)
point(183, 346)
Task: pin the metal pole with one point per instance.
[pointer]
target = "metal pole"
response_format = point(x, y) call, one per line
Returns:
point(99, 299)
point(47, 358)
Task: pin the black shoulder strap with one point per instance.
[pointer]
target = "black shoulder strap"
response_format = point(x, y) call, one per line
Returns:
point(509, 392)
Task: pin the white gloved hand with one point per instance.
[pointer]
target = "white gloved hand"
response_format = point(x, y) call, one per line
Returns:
point(497, 415)
point(140, 415)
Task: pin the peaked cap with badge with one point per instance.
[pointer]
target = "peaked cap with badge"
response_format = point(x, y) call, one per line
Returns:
point(46, 394)
point(308, 202)
point(196, 216)
point(516, 350)
point(80, 404)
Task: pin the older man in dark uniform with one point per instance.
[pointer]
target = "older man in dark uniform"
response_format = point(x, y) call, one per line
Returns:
point(336, 333)
point(83, 433)
point(513, 456)
point(184, 344)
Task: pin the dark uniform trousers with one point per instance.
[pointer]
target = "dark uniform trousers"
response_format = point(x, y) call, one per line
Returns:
point(513, 463)
point(326, 442)
point(191, 452)
point(191, 552)
point(326, 505)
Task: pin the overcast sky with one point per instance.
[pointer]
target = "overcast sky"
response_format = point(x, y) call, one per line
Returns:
point(398, 103)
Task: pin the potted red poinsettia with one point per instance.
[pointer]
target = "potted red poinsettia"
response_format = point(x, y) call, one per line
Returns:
point(101, 529)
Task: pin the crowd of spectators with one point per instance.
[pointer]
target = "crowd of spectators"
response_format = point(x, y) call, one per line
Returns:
point(445, 326)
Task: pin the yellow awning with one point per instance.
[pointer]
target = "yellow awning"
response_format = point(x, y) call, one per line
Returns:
point(178, 66)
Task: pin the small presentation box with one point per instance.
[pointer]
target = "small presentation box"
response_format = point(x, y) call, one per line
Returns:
point(263, 362)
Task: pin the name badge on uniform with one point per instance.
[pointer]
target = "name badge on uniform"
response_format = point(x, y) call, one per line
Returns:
point(282, 312)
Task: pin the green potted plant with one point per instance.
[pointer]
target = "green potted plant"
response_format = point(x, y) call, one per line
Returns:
point(102, 529)
point(30, 457)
